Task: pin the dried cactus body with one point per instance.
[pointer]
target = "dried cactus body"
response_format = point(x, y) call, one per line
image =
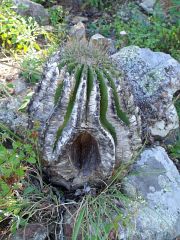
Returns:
point(84, 130)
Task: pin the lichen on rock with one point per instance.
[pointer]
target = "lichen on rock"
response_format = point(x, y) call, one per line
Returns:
point(154, 185)
point(153, 78)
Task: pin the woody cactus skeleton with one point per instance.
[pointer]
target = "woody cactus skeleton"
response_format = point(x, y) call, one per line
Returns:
point(87, 117)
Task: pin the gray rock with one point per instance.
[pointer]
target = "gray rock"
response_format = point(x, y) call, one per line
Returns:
point(154, 183)
point(102, 42)
point(131, 11)
point(154, 78)
point(49, 28)
point(11, 117)
point(77, 19)
point(148, 5)
point(78, 32)
point(28, 8)
point(20, 85)
point(33, 231)
point(69, 4)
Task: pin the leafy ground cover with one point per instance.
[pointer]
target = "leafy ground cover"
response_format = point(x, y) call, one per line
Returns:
point(28, 43)
point(24, 196)
point(128, 26)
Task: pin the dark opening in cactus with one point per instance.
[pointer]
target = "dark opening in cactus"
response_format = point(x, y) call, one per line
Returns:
point(85, 154)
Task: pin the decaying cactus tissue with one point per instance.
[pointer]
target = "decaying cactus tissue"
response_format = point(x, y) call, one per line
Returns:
point(88, 121)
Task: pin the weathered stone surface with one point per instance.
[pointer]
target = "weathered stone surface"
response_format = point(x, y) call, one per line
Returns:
point(49, 28)
point(28, 8)
point(98, 40)
point(148, 5)
point(33, 231)
point(154, 183)
point(20, 85)
point(86, 151)
point(78, 32)
point(78, 19)
point(132, 12)
point(11, 117)
point(69, 4)
point(153, 78)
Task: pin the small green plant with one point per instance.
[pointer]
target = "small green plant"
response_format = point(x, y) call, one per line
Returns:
point(6, 89)
point(95, 3)
point(169, 9)
point(175, 149)
point(13, 166)
point(21, 34)
point(17, 33)
point(98, 217)
point(57, 15)
point(31, 66)
point(42, 2)
point(59, 23)
point(12, 169)
point(101, 26)
point(174, 11)
point(24, 197)
point(25, 102)
point(45, 3)
point(31, 69)
point(100, 213)
point(152, 33)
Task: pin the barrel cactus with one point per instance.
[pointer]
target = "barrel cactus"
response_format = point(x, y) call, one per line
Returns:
point(88, 122)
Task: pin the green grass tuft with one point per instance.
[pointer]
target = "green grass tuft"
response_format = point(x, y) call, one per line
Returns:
point(96, 222)
point(71, 66)
point(119, 112)
point(72, 99)
point(69, 63)
point(62, 63)
point(104, 105)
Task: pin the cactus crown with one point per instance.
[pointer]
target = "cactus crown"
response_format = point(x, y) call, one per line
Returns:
point(80, 58)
